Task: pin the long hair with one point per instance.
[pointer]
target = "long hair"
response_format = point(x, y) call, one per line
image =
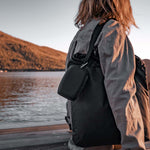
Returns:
point(120, 10)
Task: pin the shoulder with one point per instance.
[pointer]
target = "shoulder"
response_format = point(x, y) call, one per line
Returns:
point(113, 27)
point(112, 39)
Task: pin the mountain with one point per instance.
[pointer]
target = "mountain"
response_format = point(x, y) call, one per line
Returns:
point(19, 55)
point(147, 63)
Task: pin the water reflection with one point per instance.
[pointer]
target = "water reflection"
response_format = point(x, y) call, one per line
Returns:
point(30, 98)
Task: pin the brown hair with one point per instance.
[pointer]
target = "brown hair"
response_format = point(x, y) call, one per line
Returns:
point(120, 10)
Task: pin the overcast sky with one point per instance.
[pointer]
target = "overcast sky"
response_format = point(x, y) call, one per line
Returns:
point(51, 22)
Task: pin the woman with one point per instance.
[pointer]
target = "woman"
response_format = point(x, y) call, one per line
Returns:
point(117, 62)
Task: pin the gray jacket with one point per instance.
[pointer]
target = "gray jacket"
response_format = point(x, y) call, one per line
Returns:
point(118, 66)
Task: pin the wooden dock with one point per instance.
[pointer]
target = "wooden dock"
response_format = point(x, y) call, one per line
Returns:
point(52, 137)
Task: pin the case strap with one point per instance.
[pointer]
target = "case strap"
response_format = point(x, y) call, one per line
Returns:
point(93, 39)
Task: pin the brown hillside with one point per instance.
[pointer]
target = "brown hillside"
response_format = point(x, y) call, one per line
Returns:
point(19, 55)
point(147, 63)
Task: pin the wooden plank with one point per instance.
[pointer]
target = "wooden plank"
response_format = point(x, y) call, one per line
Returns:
point(53, 137)
point(32, 129)
point(61, 146)
point(32, 139)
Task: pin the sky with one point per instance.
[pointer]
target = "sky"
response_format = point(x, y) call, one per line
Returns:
point(51, 23)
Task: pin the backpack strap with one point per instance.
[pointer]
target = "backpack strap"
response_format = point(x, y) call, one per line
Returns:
point(94, 37)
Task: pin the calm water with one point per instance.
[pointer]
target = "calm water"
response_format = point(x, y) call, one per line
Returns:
point(30, 99)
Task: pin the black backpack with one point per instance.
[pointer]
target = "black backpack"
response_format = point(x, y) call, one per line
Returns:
point(142, 94)
point(92, 119)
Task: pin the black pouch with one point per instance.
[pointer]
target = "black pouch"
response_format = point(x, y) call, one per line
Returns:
point(73, 81)
point(76, 75)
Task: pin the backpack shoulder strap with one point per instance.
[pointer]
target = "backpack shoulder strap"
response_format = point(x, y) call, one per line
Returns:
point(94, 37)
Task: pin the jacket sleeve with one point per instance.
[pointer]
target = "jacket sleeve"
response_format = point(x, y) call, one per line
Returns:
point(71, 48)
point(68, 103)
point(118, 66)
point(69, 53)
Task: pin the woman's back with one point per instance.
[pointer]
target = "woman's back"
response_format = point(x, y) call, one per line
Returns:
point(117, 62)
point(116, 58)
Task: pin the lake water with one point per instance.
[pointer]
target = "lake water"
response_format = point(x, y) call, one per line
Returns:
point(30, 99)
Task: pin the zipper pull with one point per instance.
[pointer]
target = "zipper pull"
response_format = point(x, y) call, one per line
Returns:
point(83, 65)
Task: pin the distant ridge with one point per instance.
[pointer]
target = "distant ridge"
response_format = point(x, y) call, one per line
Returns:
point(20, 55)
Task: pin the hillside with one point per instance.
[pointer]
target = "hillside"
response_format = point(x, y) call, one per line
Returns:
point(19, 55)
